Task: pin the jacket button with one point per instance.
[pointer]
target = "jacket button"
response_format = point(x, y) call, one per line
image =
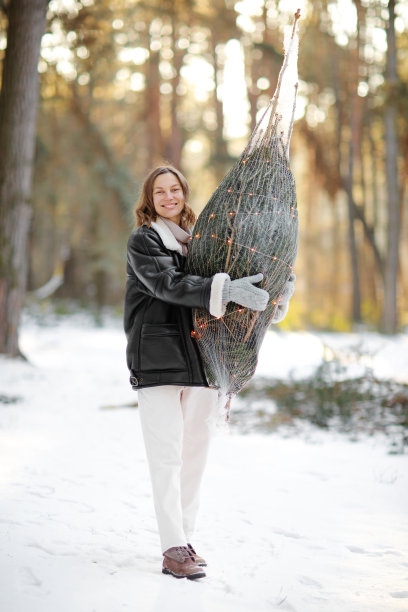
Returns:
point(133, 381)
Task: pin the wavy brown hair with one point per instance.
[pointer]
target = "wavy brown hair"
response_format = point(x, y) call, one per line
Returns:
point(145, 212)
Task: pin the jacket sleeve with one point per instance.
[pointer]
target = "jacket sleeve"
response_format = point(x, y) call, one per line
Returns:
point(155, 268)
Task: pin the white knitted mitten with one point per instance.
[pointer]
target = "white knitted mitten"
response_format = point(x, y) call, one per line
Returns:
point(283, 305)
point(243, 292)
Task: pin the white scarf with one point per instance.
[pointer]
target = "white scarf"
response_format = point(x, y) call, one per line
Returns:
point(180, 235)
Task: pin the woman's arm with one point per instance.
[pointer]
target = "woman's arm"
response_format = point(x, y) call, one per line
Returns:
point(155, 269)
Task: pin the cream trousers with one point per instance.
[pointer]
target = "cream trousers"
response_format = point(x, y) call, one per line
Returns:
point(177, 424)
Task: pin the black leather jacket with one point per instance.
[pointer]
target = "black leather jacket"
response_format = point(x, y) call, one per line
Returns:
point(158, 312)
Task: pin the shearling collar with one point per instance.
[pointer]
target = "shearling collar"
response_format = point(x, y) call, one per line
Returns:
point(166, 235)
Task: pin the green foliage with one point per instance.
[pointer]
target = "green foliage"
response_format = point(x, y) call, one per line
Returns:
point(329, 399)
point(9, 399)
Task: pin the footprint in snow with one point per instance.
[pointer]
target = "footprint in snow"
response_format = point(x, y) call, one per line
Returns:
point(50, 551)
point(83, 507)
point(362, 551)
point(44, 493)
point(356, 549)
point(288, 534)
point(29, 577)
point(399, 594)
point(309, 582)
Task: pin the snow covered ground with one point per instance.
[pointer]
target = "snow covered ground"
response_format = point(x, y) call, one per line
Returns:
point(310, 523)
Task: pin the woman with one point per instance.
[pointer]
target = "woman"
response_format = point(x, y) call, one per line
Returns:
point(177, 407)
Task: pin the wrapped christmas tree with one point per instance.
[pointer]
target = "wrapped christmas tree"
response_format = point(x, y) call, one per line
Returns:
point(249, 225)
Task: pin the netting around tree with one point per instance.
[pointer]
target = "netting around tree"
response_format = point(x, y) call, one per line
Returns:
point(249, 225)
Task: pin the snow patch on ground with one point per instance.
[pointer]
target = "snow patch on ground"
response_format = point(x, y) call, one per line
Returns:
point(300, 353)
point(286, 523)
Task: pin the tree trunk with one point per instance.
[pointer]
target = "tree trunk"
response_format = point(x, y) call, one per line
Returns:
point(390, 313)
point(355, 273)
point(18, 110)
point(220, 157)
point(174, 145)
point(347, 179)
point(154, 137)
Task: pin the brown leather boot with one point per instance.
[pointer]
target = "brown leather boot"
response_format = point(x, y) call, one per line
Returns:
point(199, 560)
point(180, 563)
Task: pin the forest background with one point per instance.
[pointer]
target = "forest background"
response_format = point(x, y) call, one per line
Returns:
point(125, 85)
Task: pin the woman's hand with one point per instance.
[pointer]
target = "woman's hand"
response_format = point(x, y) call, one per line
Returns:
point(243, 292)
point(283, 305)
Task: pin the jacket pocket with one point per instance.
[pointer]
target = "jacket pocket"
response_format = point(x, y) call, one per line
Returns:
point(161, 348)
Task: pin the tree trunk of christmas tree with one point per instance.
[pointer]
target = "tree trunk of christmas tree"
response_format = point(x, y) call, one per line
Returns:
point(390, 316)
point(18, 107)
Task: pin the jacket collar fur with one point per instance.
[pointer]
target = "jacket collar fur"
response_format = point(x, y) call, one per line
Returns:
point(167, 237)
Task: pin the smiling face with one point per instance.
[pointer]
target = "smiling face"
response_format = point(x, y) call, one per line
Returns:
point(168, 197)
